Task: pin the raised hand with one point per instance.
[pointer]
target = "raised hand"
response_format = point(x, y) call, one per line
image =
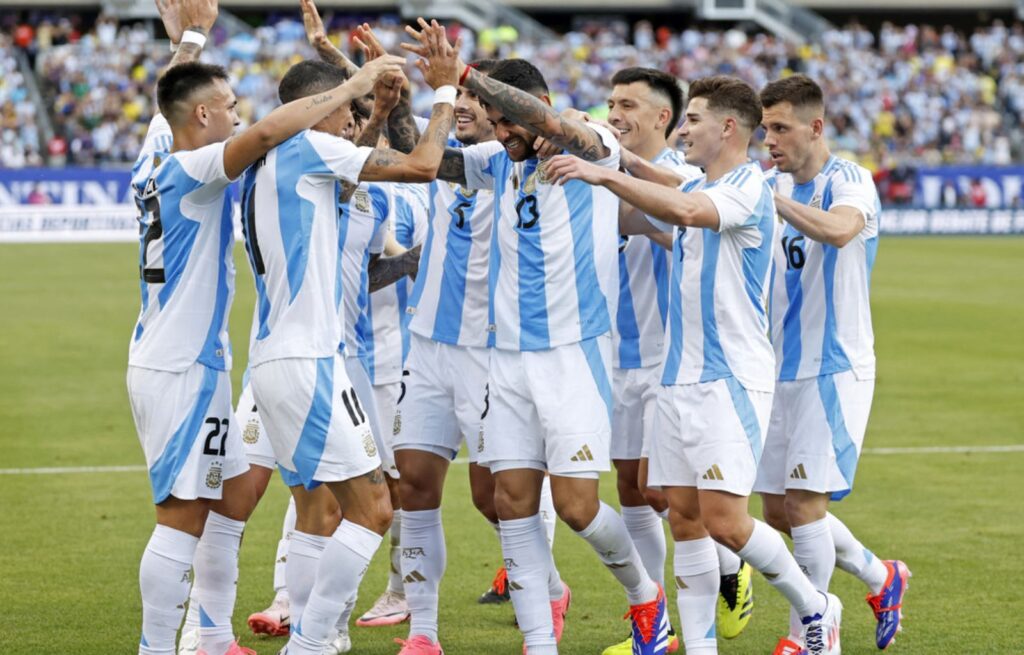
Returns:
point(389, 86)
point(315, 32)
point(170, 15)
point(363, 81)
point(198, 15)
point(439, 61)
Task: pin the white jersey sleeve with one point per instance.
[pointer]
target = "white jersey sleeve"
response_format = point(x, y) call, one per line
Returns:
point(735, 203)
point(333, 157)
point(479, 163)
point(206, 166)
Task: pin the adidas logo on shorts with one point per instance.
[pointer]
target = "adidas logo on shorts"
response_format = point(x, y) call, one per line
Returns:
point(713, 473)
point(583, 455)
point(798, 473)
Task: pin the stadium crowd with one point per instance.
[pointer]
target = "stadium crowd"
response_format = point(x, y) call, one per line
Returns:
point(926, 95)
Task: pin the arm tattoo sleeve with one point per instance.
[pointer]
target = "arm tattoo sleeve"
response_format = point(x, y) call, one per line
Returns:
point(531, 112)
point(387, 270)
point(187, 52)
point(328, 53)
point(453, 167)
point(371, 132)
point(402, 128)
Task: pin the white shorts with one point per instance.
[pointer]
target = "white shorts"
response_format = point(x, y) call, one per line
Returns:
point(444, 399)
point(187, 430)
point(815, 435)
point(317, 423)
point(257, 444)
point(635, 395)
point(360, 379)
point(385, 399)
point(550, 409)
point(709, 435)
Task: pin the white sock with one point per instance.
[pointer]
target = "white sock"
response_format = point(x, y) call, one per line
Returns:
point(697, 578)
point(766, 552)
point(304, 552)
point(164, 576)
point(216, 581)
point(395, 574)
point(527, 558)
point(341, 625)
point(192, 610)
point(547, 511)
point(854, 558)
point(342, 565)
point(280, 561)
point(664, 514)
point(648, 535)
point(607, 535)
point(728, 561)
point(815, 552)
point(423, 563)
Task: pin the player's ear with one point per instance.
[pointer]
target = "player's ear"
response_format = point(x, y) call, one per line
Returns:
point(664, 116)
point(202, 114)
point(547, 99)
point(818, 127)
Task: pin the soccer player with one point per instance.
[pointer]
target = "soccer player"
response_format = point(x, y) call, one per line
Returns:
point(312, 412)
point(553, 264)
point(179, 355)
point(719, 366)
point(824, 348)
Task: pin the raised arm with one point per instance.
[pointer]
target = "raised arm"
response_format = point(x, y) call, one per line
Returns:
point(440, 69)
point(642, 169)
point(523, 108)
point(290, 119)
point(317, 37)
point(401, 128)
point(661, 202)
point(180, 16)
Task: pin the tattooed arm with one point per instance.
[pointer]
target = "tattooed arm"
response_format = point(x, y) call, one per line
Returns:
point(384, 271)
point(317, 37)
point(369, 138)
point(453, 166)
point(420, 165)
point(529, 111)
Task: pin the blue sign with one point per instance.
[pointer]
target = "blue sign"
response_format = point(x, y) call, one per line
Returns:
point(65, 186)
point(997, 186)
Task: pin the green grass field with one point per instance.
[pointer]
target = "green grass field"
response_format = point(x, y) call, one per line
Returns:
point(948, 322)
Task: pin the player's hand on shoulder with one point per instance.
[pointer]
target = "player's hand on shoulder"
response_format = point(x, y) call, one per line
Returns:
point(562, 168)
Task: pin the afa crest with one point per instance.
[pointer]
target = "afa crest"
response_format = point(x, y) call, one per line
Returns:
point(251, 434)
point(215, 477)
point(369, 446)
point(361, 199)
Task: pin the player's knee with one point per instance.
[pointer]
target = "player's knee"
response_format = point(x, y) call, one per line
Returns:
point(776, 517)
point(483, 500)
point(576, 511)
point(419, 490)
point(801, 509)
point(725, 531)
point(509, 506)
point(628, 486)
point(655, 498)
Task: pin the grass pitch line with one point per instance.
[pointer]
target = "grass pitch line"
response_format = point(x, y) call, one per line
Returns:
point(911, 450)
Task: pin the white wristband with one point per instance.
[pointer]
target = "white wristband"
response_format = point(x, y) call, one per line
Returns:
point(445, 94)
point(198, 38)
point(174, 47)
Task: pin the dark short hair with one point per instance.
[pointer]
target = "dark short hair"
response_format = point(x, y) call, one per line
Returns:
point(307, 78)
point(798, 90)
point(179, 83)
point(729, 94)
point(485, 66)
point(658, 81)
point(520, 74)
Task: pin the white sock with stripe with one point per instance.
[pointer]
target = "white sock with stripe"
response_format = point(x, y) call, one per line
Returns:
point(608, 536)
point(216, 581)
point(648, 534)
point(527, 558)
point(766, 552)
point(304, 552)
point(281, 560)
point(696, 569)
point(815, 552)
point(423, 539)
point(164, 577)
point(854, 558)
point(395, 573)
point(342, 565)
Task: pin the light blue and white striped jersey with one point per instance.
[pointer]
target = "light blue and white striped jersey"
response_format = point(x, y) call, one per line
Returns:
point(363, 232)
point(820, 308)
point(554, 257)
point(187, 274)
point(290, 222)
point(387, 343)
point(449, 301)
point(718, 297)
point(643, 288)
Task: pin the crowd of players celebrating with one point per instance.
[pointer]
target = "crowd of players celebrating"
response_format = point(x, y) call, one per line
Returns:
point(583, 295)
